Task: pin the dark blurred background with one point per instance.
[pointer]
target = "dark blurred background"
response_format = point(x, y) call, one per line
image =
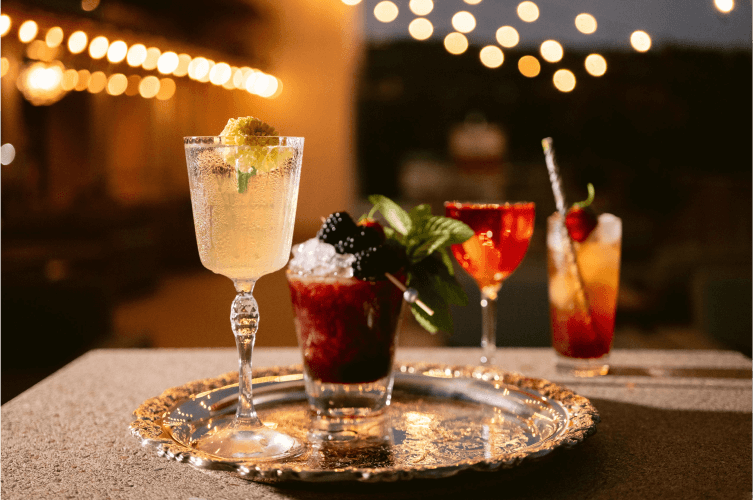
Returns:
point(98, 248)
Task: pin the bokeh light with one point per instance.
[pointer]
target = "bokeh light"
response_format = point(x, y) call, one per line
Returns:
point(220, 73)
point(4, 24)
point(7, 153)
point(385, 11)
point(564, 80)
point(724, 5)
point(77, 42)
point(152, 58)
point(182, 68)
point(28, 31)
point(464, 22)
point(507, 36)
point(270, 87)
point(70, 79)
point(83, 80)
point(596, 65)
point(4, 66)
point(529, 66)
point(117, 84)
point(351, 2)
point(117, 51)
point(640, 41)
point(491, 56)
point(420, 28)
point(98, 47)
point(136, 55)
point(421, 7)
point(97, 82)
point(586, 23)
point(551, 51)
point(455, 43)
point(229, 84)
point(149, 87)
point(54, 37)
point(205, 77)
point(89, 5)
point(472, 2)
point(166, 89)
point(528, 11)
point(167, 63)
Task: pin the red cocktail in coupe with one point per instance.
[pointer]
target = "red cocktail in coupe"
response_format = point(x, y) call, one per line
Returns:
point(502, 233)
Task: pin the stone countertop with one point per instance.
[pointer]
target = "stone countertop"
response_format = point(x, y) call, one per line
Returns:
point(68, 436)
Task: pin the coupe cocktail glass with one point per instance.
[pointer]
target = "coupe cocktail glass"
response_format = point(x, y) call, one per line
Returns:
point(582, 330)
point(244, 201)
point(491, 255)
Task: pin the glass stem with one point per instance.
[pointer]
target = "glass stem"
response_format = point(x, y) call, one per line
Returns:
point(489, 324)
point(244, 319)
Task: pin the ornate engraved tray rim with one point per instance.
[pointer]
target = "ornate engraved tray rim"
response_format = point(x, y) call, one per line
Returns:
point(580, 423)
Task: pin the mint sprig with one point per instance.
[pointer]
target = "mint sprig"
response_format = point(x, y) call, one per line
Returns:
point(425, 238)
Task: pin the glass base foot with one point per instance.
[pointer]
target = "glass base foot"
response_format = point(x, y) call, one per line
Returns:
point(229, 438)
point(583, 367)
point(349, 400)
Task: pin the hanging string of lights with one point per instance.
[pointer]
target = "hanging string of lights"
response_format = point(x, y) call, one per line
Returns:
point(47, 79)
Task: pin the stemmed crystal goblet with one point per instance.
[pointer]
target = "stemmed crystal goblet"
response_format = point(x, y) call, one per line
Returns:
point(502, 233)
point(244, 201)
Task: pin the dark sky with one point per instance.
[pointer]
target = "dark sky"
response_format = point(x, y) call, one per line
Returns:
point(679, 22)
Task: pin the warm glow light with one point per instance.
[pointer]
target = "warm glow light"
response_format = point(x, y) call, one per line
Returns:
point(640, 41)
point(421, 7)
point(351, 2)
point(136, 55)
point(28, 31)
point(229, 84)
point(97, 83)
point(270, 87)
point(586, 23)
point(205, 77)
point(385, 11)
point(40, 83)
point(89, 5)
point(528, 11)
point(70, 79)
point(491, 56)
point(117, 51)
point(166, 89)
point(220, 73)
point(250, 80)
point(420, 28)
point(262, 84)
point(98, 47)
point(529, 66)
point(167, 63)
point(4, 24)
point(596, 65)
point(54, 37)
point(7, 153)
point(83, 79)
point(117, 84)
point(278, 91)
point(464, 22)
point(239, 76)
point(4, 66)
point(133, 85)
point(551, 51)
point(564, 80)
point(507, 36)
point(455, 43)
point(32, 50)
point(77, 42)
point(472, 2)
point(182, 68)
point(149, 87)
point(724, 5)
point(152, 58)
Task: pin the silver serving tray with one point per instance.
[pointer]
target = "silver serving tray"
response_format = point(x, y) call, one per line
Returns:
point(442, 420)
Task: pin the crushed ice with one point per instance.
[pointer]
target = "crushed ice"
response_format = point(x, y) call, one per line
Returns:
point(314, 257)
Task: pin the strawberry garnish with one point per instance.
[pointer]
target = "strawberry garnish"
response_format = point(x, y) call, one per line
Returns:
point(580, 220)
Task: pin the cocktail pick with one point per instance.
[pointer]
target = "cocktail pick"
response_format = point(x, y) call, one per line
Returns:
point(410, 295)
point(559, 198)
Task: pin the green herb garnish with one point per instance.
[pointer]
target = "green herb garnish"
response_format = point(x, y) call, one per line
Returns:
point(425, 238)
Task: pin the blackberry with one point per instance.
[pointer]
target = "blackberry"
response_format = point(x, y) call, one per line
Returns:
point(373, 262)
point(365, 237)
point(337, 227)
